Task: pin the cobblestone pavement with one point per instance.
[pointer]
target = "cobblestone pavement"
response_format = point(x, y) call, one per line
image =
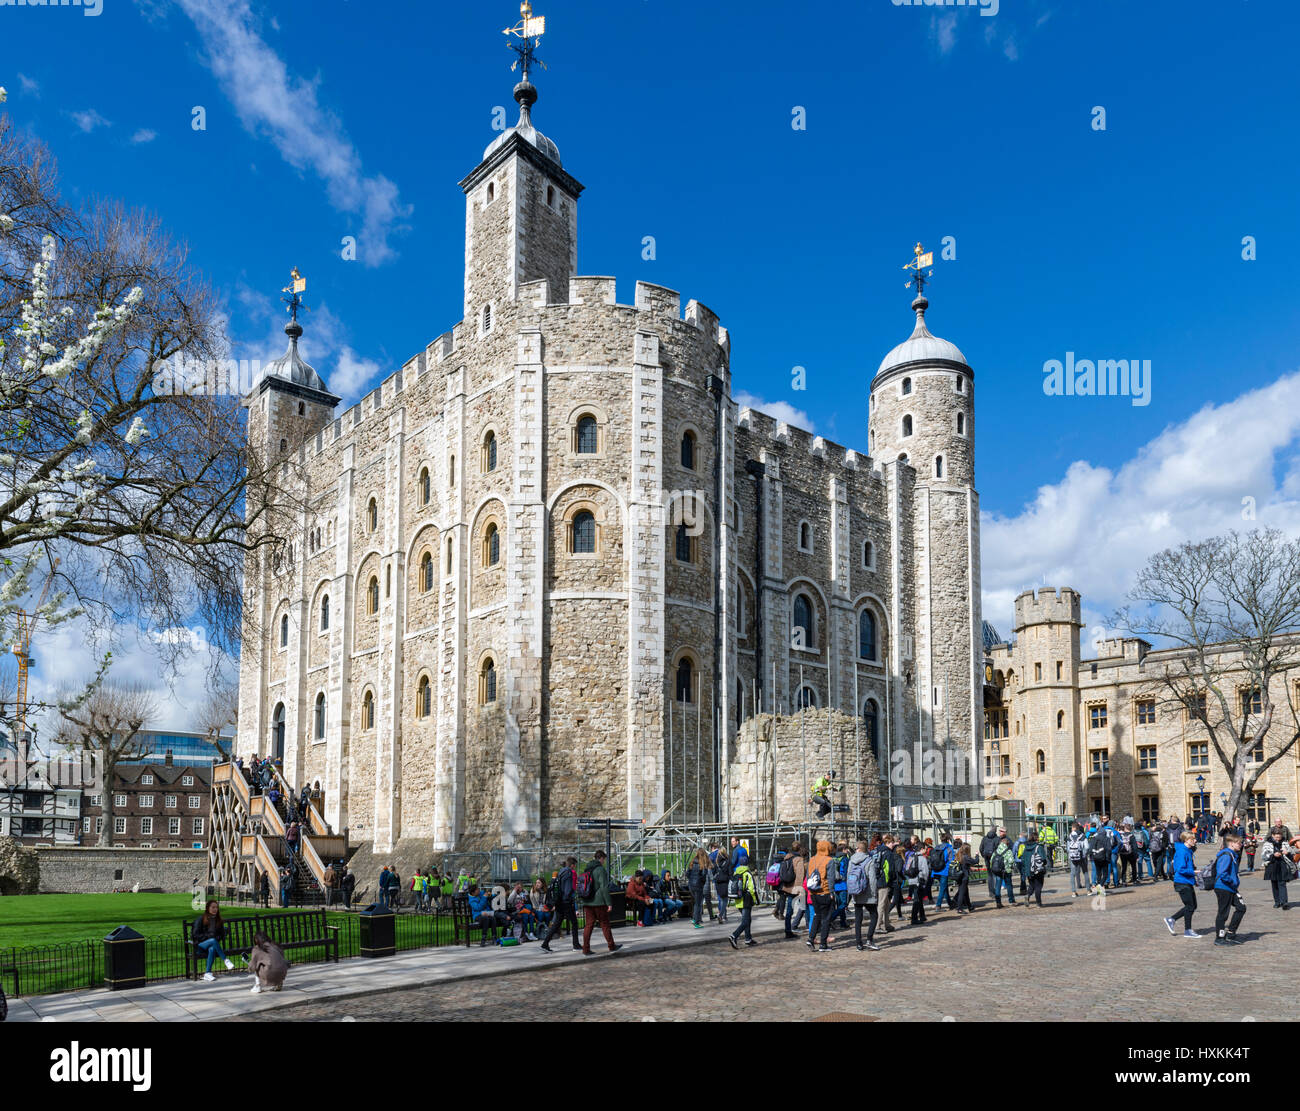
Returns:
point(1080, 959)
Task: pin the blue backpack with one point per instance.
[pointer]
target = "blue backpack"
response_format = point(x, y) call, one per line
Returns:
point(856, 879)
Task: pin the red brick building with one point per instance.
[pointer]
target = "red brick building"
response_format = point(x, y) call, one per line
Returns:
point(155, 806)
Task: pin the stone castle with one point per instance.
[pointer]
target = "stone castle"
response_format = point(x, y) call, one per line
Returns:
point(550, 567)
point(1075, 735)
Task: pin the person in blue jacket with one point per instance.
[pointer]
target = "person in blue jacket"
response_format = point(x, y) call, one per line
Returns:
point(945, 846)
point(1183, 873)
point(1226, 883)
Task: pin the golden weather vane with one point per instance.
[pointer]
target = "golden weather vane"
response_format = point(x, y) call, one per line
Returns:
point(924, 259)
point(296, 288)
point(530, 27)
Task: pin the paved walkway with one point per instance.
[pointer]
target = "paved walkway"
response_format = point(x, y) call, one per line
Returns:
point(229, 996)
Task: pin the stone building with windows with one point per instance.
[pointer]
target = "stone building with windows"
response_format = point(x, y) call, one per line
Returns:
point(549, 566)
point(1078, 736)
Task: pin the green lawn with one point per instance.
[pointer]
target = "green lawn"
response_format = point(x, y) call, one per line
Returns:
point(49, 919)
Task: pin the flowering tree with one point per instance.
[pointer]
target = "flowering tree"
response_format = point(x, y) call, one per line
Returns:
point(137, 501)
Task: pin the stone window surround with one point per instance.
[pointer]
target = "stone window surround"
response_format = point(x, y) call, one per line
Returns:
point(694, 562)
point(868, 555)
point(281, 623)
point(487, 657)
point(814, 700)
point(487, 319)
point(423, 681)
point(597, 512)
point(903, 424)
point(490, 520)
point(1098, 704)
point(693, 656)
point(426, 553)
point(1188, 766)
point(906, 387)
point(961, 425)
point(320, 718)
point(805, 524)
point(372, 596)
point(367, 695)
point(680, 432)
point(587, 409)
point(870, 604)
point(371, 514)
point(489, 430)
point(424, 484)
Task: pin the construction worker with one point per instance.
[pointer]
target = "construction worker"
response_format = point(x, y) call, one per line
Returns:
point(822, 786)
point(1049, 840)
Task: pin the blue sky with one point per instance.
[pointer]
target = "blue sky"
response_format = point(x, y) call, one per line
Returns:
point(345, 118)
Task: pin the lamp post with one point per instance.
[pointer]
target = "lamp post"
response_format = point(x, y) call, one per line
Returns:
point(1200, 787)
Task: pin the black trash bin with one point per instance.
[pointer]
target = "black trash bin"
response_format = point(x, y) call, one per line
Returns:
point(378, 931)
point(124, 959)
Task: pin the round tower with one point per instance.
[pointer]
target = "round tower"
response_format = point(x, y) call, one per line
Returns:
point(920, 431)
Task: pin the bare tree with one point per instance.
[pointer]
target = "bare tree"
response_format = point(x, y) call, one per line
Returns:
point(141, 482)
point(1230, 608)
point(219, 712)
point(104, 725)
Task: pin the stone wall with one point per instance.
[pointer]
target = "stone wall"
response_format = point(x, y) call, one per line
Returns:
point(776, 758)
point(87, 871)
point(20, 870)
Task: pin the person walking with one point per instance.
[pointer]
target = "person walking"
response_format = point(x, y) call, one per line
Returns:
point(1183, 872)
point(595, 905)
point(794, 892)
point(1034, 864)
point(1276, 867)
point(988, 846)
point(264, 890)
point(918, 878)
point(944, 860)
point(821, 889)
point(963, 866)
point(722, 881)
point(1004, 867)
point(286, 886)
point(863, 881)
point(1227, 881)
point(745, 902)
point(1156, 846)
point(697, 879)
point(347, 885)
point(1099, 846)
point(563, 906)
point(1076, 852)
point(207, 932)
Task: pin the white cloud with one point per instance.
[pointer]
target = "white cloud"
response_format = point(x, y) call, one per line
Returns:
point(144, 135)
point(1095, 528)
point(88, 120)
point(29, 86)
point(285, 108)
point(778, 410)
point(943, 28)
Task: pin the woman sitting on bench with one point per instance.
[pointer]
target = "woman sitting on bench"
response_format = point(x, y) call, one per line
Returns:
point(206, 933)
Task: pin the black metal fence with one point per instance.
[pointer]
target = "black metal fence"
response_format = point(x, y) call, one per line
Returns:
point(79, 965)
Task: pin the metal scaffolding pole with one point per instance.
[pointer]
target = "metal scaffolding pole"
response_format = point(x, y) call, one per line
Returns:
point(668, 798)
point(699, 697)
point(803, 744)
point(857, 743)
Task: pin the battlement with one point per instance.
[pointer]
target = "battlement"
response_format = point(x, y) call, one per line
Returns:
point(765, 427)
point(1061, 606)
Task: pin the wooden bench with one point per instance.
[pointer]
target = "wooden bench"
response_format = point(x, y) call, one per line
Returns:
point(301, 929)
point(463, 919)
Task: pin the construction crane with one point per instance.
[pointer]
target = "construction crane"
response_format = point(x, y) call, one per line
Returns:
point(25, 624)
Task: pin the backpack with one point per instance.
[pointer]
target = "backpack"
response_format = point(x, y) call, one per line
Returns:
point(814, 880)
point(1075, 848)
point(1037, 864)
point(937, 860)
point(733, 887)
point(787, 870)
point(774, 876)
point(882, 869)
point(998, 864)
point(1125, 843)
point(1157, 842)
point(911, 869)
point(1209, 874)
point(584, 885)
point(1100, 851)
point(857, 881)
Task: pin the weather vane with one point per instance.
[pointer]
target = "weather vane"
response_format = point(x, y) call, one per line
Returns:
point(924, 259)
point(296, 288)
point(530, 27)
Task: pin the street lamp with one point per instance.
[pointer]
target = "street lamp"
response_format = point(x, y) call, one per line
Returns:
point(1200, 787)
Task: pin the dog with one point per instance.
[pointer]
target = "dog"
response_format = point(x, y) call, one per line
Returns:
point(267, 963)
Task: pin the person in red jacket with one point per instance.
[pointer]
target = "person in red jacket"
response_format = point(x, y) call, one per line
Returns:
point(638, 896)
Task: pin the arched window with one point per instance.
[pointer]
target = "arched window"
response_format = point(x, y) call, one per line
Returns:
point(325, 613)
point(490, 452)
point(550, 195)
point(805, 536)
point(451, 471)
point(372, 595)
point(938, 466)
point(491, 191)
point(487, 319)
point(491, 546)
point(372, 515)
point(688, 451)
point(284, 446)
point(424, 698)
point(284, 631)
point(584, 533)
point(907, 386)
point(867, 635)
point(871, 716)
point(320, 716)
point(426, 573)
point(1060, 719)
point(907, 425)
point(807, 699)
point(868, 554)
point(487, 682)
point(587, 436)
point(960, 384)
point(277, 731)
point(1041, 809)
point(802, 630)
point(368, 711)
point(426, 491)
point(961, 423)
point(685, 680)
point(1040, 763)
point(683, 542)
point(448, 555)
point(388, 581)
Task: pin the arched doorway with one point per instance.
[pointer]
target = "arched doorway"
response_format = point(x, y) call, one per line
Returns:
point(277, 733)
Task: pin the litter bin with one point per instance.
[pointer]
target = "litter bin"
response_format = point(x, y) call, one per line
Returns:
point(378, 931)
point(124, 959)
point(618, 908)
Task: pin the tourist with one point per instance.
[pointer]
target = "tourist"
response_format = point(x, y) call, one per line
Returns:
point(1076, 852)
point(639, 900)
point(918, 877)
point(562, 904)
point(291, 838)
point(207, 933)
point(988, 846)
point(893, 898)
point(383, 887)
point(669, 890)
point(264, 890)
point(540, 899)
point(1276, 867)
point(697, 879)
point(286, 887)
point(331, 884)
point(1127, 853)
point(1226, 884)
point(481, 912)
point(964, 864)
point(519, 909)
point(1004, 866)
point(596, 905)
point(1034, 863)
point(841, 864)
point(1142, 838)
point(721, 881)
point(944, 859)
point(1183, 872)
point(1156, 845)
point(821, 894)
point(794, 890)
point(1099, 852)
point(1250, 846)
point(739, 854)
point(394, 888)
point(745, 904)
point(347, 884)
point(863, 884)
